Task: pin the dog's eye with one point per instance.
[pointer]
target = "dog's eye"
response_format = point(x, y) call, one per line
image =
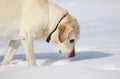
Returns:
point(72, 41)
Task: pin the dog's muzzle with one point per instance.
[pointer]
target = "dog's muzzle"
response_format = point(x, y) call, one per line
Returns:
point(72, 53)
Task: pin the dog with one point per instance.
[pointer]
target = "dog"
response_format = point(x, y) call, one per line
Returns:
point(23, 21)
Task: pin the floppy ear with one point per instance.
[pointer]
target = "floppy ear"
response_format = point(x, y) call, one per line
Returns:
point(64, 32)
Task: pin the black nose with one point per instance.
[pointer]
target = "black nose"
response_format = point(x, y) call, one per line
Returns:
point(72, 53)
point(60, 52)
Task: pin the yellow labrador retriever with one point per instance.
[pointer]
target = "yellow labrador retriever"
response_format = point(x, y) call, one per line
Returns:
point(23, 21)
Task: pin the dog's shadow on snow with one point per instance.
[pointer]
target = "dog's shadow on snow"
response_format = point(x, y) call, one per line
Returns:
point(54, 57)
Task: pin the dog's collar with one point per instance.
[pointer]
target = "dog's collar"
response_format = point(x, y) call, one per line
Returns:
point(49, 37)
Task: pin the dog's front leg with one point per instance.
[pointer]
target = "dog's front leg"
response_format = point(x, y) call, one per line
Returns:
point(27, 41)
point(11, 50)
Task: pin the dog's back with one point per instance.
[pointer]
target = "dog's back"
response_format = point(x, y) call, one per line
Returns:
point(13, 14)
point(10, 12)
point(10, 9)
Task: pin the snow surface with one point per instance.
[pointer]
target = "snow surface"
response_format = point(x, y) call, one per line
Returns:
point(98, 50)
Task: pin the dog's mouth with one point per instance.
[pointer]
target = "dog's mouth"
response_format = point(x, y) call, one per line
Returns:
point(60, 52)
point(72, 54)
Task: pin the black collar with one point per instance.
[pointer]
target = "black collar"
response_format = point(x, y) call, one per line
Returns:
point(49, 37)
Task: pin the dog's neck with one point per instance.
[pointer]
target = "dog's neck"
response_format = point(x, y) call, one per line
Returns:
point(49, 37)
point(56, 14)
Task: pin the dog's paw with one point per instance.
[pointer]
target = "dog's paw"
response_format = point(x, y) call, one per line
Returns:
point(32, 65)
point(4, 63)
point(1, 65)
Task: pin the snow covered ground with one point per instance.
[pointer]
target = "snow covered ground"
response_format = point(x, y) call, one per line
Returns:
point(98, 50)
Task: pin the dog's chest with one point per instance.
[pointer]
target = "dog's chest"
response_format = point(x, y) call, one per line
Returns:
point(42, 34)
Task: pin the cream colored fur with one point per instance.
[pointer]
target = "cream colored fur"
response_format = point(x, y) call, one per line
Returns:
point(23, 21)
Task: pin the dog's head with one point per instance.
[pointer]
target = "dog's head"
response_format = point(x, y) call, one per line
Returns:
point(66, 35)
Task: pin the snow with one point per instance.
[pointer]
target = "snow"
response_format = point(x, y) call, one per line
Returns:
point(98, 49)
